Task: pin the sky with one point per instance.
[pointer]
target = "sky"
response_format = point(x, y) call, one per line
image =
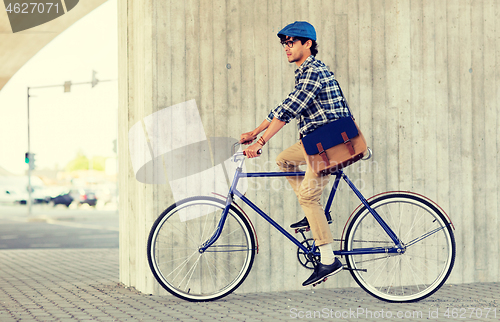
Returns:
point(62, 124)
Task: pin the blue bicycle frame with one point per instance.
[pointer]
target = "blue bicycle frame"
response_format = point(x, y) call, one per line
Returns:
point(397, 248)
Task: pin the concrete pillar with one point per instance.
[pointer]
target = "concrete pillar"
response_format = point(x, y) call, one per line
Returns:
point(420, 80)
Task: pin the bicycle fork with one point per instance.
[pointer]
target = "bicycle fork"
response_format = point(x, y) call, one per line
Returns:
point(229, 201)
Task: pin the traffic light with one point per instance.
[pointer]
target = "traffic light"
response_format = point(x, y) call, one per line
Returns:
point(29, 158)
point(32, 161)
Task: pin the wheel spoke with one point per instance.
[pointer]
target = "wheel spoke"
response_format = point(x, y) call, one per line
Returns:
point(223, 268)
point(412, 225)
point(183, 234)
point(202, 235)
point(416, 279)
point(390, 274)
point(212, 275)
point(173, 260)
point(192, 269)
point(182, 265)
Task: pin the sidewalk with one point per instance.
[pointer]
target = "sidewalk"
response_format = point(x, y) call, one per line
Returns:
point(82, 285)
point(83, 217)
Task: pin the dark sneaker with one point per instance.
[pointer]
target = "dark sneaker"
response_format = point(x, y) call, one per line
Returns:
point(300, 224)
point(321, 271)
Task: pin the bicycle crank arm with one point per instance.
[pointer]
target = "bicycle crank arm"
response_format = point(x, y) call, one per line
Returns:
point(355, 269)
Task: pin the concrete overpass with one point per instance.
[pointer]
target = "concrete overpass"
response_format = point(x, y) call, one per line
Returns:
point(17, 48)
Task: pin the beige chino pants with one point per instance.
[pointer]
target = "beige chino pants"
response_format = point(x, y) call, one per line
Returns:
point(308, 189)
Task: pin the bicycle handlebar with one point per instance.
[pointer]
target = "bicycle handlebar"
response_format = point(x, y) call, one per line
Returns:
point(233, 149)
point(258, 152)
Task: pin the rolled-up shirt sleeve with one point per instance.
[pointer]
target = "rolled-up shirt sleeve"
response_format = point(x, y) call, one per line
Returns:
point(270, 117)
point(307, 88)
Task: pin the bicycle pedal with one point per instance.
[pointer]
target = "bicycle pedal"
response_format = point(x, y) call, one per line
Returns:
point(323, 280)
point(301, 230)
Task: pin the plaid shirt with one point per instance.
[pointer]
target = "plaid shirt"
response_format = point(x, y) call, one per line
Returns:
point(316, 99)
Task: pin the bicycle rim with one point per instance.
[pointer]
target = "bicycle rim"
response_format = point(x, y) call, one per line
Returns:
point(417, 272)
point(173, 250)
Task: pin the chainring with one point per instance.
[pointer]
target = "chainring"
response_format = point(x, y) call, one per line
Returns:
point(308, 261)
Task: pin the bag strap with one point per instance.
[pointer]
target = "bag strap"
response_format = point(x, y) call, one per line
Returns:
point(348, 143)
point(345, 100)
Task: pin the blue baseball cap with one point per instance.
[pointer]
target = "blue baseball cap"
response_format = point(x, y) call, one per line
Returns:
point(299, 29)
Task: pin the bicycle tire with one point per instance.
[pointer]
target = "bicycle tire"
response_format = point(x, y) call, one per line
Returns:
point(422, 268)
point(173, 250)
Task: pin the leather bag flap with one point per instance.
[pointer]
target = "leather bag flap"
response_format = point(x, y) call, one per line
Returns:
point(329, 135)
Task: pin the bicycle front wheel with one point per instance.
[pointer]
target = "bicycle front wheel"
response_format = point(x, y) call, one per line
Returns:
point(418, 271)
point(175, 240)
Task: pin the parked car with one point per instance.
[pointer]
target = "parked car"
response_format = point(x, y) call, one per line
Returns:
point(62, 199)
point(84, 196)
point(15, 189)
point(12, 195)
point(40, 194)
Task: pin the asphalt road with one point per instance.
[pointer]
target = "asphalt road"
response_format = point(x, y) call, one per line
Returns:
point(49, 227)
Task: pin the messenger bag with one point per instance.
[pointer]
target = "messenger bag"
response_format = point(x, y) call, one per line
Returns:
point(334, 145)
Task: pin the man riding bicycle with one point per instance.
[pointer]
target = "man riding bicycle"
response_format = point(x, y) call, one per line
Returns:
point(316, 100)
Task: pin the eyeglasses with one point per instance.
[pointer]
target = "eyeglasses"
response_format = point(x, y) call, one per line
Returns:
point(288, 43)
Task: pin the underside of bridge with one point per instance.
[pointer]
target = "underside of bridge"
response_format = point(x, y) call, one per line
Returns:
point(17, 48)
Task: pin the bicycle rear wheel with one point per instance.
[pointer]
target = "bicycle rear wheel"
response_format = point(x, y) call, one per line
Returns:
point(173, 249)
point(417, 272)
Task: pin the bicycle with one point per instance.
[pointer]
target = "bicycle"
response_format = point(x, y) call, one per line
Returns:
point(399, 246)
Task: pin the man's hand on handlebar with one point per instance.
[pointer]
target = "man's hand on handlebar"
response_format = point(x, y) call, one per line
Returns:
point(253, 151)
point(247, 138)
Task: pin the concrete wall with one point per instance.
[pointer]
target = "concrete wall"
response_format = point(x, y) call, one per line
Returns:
point(422, 78)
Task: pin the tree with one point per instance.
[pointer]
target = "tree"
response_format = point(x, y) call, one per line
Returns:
point(99, 163)
point(80, 162)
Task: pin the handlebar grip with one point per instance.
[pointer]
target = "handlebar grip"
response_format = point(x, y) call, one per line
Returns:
point(258, 152)
point(247, 142)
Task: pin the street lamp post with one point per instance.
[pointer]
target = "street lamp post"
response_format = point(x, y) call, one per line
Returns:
point(67, 88)
point(29, 160)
